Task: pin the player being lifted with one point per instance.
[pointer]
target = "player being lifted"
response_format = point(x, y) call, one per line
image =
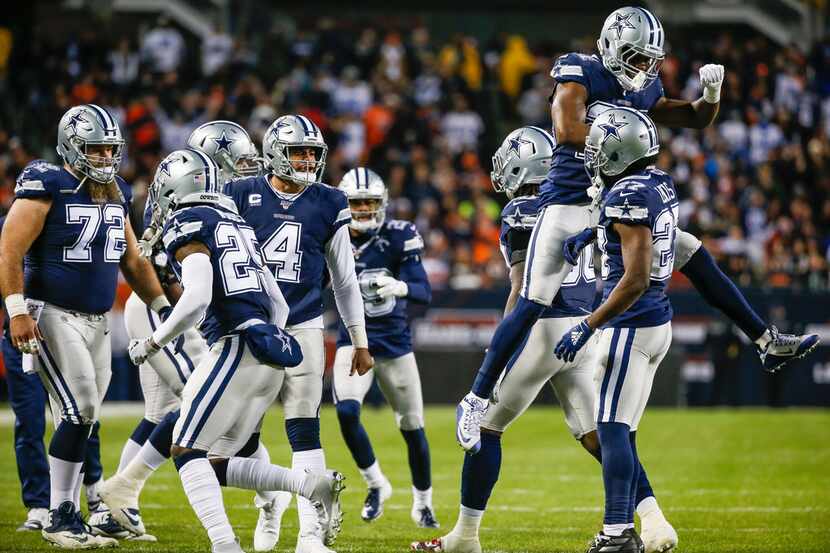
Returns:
point(636, 234)
point(162, 377)
point(388, 262)
point(519, 166)
point(71, 223)
point(216, 257)
point(625, 72)
point(302, 225)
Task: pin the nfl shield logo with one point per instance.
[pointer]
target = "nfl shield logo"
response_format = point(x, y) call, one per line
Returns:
point(285, 204)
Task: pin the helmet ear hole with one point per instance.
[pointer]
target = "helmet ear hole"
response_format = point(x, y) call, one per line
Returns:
point(515, 171)
point(607, 43)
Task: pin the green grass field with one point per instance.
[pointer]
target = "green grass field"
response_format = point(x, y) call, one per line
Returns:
point(730, 481)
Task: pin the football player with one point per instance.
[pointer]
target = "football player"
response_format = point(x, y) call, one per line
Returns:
point(163, 377)
point(636, 234)
point(625, 72)
point(388, 262)
point(519, 166)
point(216, 257)
point(71, 224)
point(302, 225)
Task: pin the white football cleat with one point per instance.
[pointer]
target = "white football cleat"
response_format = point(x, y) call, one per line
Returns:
point(232, 547)
point(424, 516)
point(657, 534)
point(121, 496)
point(468, 417)
point(448, 544)
point(311, 544)
point(373, 504)
point(37, 519)
point(267, 532)
point(326, 499)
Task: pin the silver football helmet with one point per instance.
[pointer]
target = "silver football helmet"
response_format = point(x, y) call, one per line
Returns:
point(183, 177)
point(289, 132)
point(523, 158)
point(230, 146)
point(631, 46)
point(617, 138)
point(364, 184)
point(90, 125)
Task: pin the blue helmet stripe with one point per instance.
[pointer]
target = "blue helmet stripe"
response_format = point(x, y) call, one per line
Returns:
point(655, 29)
point(106, 119)
point(312, 128)
point(210, 171)
point(301, 119)
point(365, 178)
point(546, 135)
point(652, 132)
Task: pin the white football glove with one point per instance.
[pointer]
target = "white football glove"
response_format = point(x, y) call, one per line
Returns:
point(389, 287)
point(142, 349)
point(711, 79)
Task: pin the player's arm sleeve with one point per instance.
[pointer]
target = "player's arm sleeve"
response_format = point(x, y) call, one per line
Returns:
point(197, 279)
point(340, 261)
point(517, 243)
point(412, 270)
point(279, 307)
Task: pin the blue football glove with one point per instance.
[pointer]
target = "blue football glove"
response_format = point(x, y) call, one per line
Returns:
point(574, 245)
point(572, 341)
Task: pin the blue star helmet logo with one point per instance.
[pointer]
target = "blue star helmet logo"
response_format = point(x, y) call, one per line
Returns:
point(75, 119)
point(164, 166)
point(612, 129)
point(516, 144)
point(223, 143)
point(622, 22)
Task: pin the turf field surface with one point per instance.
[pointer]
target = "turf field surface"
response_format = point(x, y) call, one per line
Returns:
point(728, 480)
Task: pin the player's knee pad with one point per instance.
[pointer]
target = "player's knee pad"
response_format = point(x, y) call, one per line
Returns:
point(69, 441)
point(410, 421)
point(303, 434)
point(348, 412)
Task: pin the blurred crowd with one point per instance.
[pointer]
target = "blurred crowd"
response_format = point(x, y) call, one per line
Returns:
point(427, 116)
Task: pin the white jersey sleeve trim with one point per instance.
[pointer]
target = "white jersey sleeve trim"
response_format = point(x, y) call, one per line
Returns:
point(340, 261)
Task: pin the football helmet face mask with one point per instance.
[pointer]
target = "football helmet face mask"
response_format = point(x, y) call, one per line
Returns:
point(618, 137)
point(229, 146)
point(83, 132)
point(523, 158)
point(364, 188)
point(284, 139)
point(631, 45)
point(183, 177)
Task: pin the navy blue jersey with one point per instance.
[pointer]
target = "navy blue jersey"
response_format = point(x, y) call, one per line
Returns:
point(647, 199)
point(567, 179)
point(238, 291)
point(73, 263)
point(393, 250)
point(293, 231)
point(576, 295)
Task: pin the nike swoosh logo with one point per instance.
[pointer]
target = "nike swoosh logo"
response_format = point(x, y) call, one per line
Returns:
point(624, 194)
point(133, 520)
point(79, 539)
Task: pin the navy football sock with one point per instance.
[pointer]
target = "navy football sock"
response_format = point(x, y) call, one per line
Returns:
point(635, 480)
point(250, 446)
point(722, 294)
point(303, 434)
point(511, 332)
point(93, 471)
point(142, 431)
point(162, 437)
point(618, 470)
point(348, 413)
point(69, 442)
point(418, 449)
point(643, 485)
point(481, 472)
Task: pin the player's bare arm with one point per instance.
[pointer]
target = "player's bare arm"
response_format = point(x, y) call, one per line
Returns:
point(567, 111)
point(23, 225)
point(636, 253)
point(140, 274)
point(517, 272)
point(697, 114)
